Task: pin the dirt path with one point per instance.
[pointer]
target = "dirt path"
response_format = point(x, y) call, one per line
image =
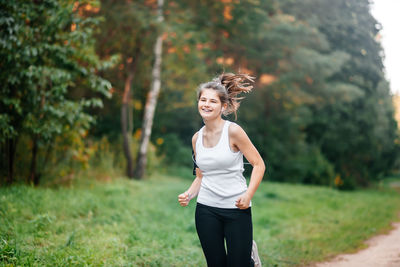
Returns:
point(382, 251)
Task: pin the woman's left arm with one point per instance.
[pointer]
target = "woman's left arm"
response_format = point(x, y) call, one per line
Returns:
point(242, 142)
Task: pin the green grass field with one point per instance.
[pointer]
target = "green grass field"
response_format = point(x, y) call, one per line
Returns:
point(140, 223)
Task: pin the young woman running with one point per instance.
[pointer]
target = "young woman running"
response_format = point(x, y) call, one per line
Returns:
point(223, 212)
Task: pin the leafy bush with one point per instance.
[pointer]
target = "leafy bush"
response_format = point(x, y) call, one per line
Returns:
point(317, 169)
point(174, 151)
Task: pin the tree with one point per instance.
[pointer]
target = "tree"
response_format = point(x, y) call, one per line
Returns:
point(126, 31)
point(320, 109)
point(151, 102)
point(47, 48)
point(359, 135)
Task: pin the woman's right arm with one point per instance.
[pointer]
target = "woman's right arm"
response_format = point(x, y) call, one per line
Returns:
point(194, 189)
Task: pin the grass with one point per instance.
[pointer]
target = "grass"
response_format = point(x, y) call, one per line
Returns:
point(391, 182)
point(139, 223)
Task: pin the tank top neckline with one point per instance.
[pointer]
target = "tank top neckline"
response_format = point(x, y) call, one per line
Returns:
point(220, 138)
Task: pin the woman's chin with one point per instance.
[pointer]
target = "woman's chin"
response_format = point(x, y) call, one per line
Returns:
point(207, 117)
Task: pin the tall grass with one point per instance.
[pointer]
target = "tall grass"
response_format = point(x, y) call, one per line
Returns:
point(139, 223)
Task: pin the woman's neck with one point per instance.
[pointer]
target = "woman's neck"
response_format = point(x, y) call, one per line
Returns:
point(214, 125)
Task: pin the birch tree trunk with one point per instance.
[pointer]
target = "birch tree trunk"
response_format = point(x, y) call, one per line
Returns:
point(151, 102)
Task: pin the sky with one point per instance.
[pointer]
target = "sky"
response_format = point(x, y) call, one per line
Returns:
point(387, 12)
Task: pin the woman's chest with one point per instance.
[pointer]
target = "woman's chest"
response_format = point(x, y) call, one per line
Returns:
point(211, 140)
point(217, 159)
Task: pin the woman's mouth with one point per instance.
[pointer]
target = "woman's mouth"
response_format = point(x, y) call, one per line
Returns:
point(206, 110)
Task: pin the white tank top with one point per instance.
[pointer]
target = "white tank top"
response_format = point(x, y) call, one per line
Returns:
point(223, 181)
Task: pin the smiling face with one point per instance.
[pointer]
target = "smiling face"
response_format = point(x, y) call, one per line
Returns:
point(209, 104)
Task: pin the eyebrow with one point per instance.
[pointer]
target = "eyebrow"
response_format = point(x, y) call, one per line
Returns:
point(209, 98)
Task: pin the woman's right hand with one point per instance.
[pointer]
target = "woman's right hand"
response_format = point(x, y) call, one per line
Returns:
point(184, 199)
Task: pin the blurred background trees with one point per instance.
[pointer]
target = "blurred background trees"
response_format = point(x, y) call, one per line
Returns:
point(321, 111)
point(49, 79)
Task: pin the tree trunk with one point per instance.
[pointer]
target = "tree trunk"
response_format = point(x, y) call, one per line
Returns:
point(126, 110)
point(151, 102)
point(44, 163)
point(34, 177)
point(3, 163)
point(124, 124)
point(9, 149)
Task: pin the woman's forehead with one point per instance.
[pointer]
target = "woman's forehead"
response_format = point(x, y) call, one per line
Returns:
point(209, 93)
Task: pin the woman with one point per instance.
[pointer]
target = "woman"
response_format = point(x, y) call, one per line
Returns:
point(223, 211)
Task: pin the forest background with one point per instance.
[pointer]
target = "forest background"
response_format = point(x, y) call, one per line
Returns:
point(79, 85)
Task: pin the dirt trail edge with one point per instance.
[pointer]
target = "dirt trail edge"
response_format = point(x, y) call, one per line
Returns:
point(382, 251)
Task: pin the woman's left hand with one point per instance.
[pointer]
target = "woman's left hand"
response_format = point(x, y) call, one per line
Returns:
point(243, 202)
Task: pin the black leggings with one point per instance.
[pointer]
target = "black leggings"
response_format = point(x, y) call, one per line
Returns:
point(214, 225)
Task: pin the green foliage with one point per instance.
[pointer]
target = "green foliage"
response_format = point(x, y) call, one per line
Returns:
point(43, 58)
point(128, 30)
point(321, 107)
point(174, 151)
point(301, 67)
point(351, 133)
point(75, 156)
point(47, 49)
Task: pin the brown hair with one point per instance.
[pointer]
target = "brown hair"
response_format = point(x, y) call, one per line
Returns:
point(228, 86)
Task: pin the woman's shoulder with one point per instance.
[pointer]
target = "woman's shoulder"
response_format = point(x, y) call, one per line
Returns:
point(235, 130)
point(194, 138)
